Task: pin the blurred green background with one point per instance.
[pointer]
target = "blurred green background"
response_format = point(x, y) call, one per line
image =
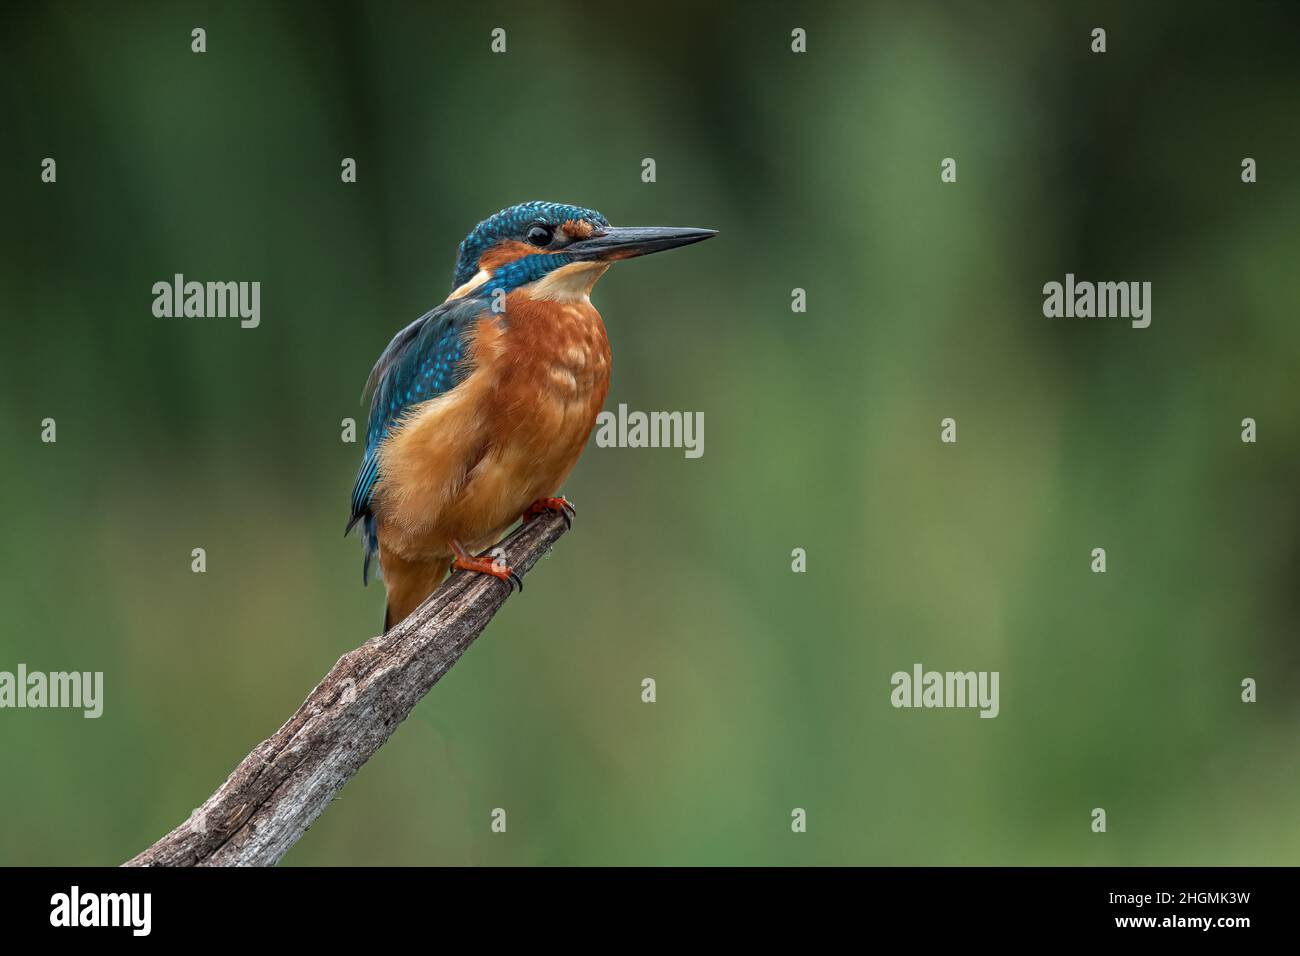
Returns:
point(821, 429)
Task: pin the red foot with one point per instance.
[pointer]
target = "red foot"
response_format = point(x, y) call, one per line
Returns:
point(468, 562)
point(556, 505)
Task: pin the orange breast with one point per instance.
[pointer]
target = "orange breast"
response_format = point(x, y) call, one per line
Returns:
point(472, 460)
point(555, 375)
point(551, 363)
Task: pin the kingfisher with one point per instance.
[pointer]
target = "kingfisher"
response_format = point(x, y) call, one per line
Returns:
point(480, 408)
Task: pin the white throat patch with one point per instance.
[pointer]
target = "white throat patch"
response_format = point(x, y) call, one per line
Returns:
point(571, 283)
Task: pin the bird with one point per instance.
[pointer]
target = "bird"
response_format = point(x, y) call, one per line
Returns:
point(481, 407)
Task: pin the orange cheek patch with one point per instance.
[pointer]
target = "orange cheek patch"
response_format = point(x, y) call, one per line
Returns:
point(505, 252)
point(578, 228)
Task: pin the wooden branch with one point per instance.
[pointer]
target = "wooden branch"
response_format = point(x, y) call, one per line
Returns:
point(279, 789)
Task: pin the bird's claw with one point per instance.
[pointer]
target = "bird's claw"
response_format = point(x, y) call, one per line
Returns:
point(560, 506)
point(493, 567)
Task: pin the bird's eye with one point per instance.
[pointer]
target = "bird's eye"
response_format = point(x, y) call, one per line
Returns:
point(539, 235)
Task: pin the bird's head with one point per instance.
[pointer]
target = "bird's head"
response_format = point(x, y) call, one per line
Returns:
point(568, 247)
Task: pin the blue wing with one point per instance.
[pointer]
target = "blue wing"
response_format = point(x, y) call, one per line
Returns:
point(425, 359)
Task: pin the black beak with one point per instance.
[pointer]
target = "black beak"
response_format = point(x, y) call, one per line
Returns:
point(624, 242)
